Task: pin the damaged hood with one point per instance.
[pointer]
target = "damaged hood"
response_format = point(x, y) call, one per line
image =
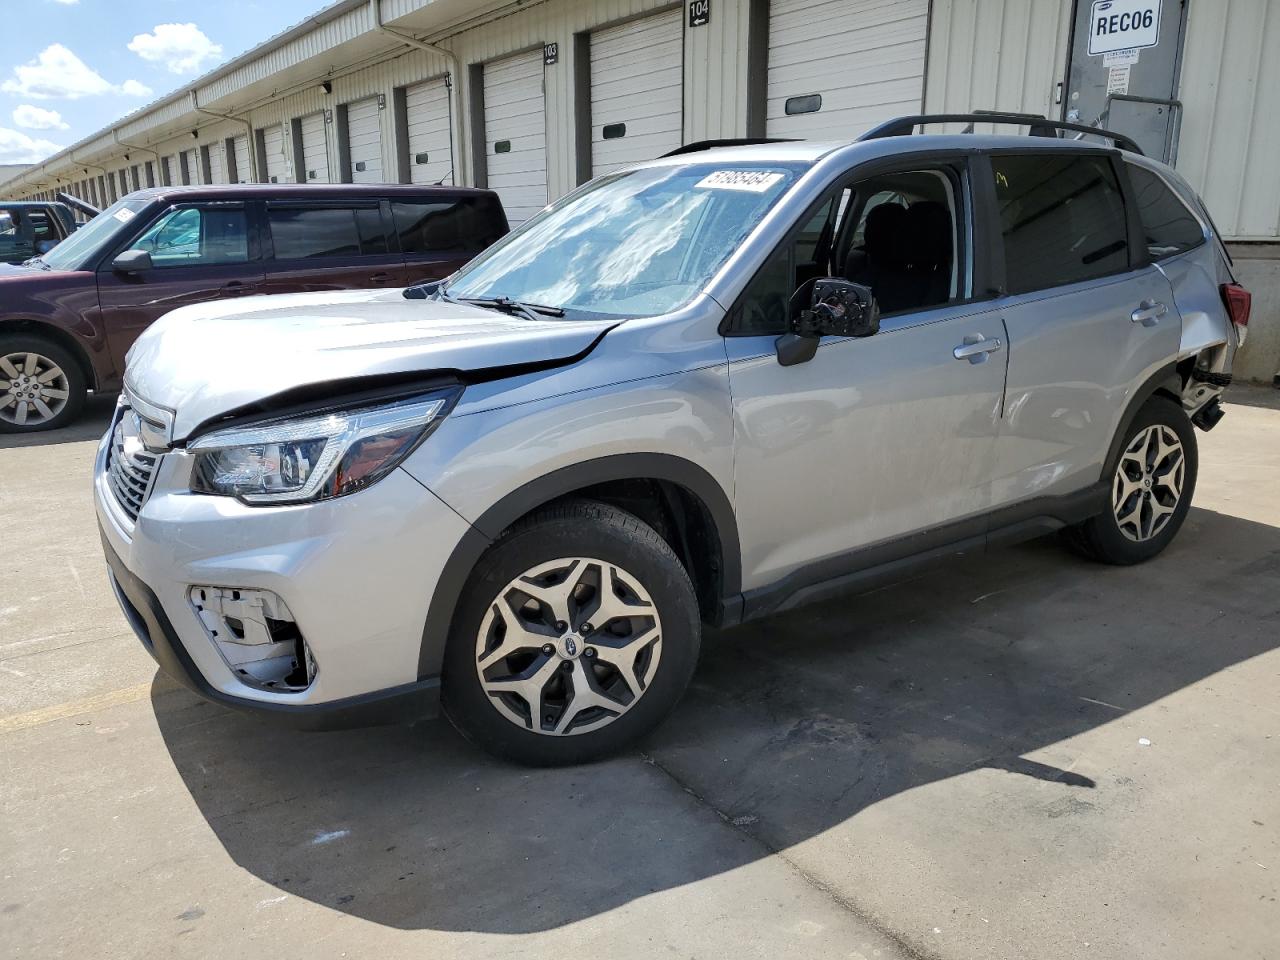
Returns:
point(205, 360)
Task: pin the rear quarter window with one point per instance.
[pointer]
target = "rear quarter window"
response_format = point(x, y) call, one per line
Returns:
point(1168, 227)
point(449, 223)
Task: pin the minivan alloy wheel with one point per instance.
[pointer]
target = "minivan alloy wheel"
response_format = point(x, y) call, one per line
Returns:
point(568, 646)
point(1148, 482)
point(33, 388)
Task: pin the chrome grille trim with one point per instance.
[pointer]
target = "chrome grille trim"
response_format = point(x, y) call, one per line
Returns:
point(130, 468)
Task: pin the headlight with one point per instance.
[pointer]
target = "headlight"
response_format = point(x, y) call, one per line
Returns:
point(289, 461)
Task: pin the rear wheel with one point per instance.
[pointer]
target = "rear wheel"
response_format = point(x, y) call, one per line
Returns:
point(1152, 483)
point(41, 385)
point(576, 634)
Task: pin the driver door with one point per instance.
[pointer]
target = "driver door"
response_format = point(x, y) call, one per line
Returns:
point(879, 447)
point(199, 252)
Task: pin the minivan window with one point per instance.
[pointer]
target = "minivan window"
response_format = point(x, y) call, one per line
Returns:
point(1062, 218)
point(188, 236)
point(633, 244)
point(1167, 225)
point(75, 252)
point(455, 223)
point(310, 233)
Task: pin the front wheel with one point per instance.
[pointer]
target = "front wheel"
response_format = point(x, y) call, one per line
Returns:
point(577, 633)
point(1152, 483)
point(41, 385)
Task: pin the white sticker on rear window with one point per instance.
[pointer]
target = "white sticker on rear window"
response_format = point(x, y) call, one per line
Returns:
point(753, 181)
point(124, 214)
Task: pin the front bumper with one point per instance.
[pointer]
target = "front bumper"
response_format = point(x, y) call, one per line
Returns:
point(358, 572)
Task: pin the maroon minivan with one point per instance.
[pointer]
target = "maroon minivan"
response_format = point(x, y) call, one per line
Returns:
point(67, 318)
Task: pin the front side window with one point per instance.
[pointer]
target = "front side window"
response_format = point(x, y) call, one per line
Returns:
point(1167, 225)
point(190, 236)
point(638, 243)
point(895, 233)
point(1062, 218)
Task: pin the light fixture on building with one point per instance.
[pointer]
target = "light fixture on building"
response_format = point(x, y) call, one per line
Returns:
point(195, 134)
point(327, 87)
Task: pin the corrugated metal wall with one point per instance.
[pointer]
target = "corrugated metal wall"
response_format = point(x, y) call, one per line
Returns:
point(1230, 90)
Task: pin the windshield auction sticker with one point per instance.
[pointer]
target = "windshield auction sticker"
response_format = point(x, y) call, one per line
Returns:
point(752, 181)
point(124, 214)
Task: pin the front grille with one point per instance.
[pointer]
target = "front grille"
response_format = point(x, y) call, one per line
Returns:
point(130, 469)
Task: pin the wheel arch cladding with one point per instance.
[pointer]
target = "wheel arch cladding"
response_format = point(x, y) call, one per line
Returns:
point(1166, 382)
point(679, 484)
point(56, 335)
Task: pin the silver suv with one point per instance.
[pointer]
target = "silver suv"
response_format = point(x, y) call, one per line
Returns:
point(704, 389)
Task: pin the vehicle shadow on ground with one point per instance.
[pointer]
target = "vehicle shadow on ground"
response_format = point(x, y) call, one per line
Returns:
point(90, 425)
point(793, 726)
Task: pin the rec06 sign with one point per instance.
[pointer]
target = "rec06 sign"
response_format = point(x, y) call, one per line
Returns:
point(1123, 25)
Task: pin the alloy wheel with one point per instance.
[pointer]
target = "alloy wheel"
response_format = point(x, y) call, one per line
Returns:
point(33, 389)
point(1148, 482)
point(568, 646)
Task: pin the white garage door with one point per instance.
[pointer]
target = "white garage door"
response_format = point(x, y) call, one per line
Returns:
point(515, 134)
point(364, 135)
point(839, 67)
point(217, 166)
point(273, 144)
point(244, 169)
point(192, 158)
point(315, 148)
point(430, 141)
point(637, 91)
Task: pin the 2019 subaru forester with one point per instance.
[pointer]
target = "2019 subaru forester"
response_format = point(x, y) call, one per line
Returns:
point(703, 389)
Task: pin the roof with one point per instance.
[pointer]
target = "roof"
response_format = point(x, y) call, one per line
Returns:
point(294, 191)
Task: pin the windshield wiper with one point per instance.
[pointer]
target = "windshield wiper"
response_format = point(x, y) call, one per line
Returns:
point(530, 311)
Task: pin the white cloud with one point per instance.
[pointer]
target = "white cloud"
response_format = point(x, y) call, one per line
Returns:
point(38, 118)
point(17, 147)
point(59, 73)
point(181, 47)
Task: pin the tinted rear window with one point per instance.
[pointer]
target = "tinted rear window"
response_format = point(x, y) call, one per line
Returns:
point(458, 223)
point(1169, 227)
point(308, 233)
point(1062, 218)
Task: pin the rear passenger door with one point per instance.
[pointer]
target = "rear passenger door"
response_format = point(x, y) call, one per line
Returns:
point(439, 235)
point(329, 246)
point(1089, 319)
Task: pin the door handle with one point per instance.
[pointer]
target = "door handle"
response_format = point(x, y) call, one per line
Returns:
point(1149, 313)
point(976, 348)
point(234, 288)
point(380, 277)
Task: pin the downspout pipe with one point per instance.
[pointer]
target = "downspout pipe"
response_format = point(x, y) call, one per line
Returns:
point(248, 134)
point(455, 74)
point(159, 170)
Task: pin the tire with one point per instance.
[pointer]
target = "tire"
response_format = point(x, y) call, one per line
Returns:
point(1144, 511)
point(584, 676)
point(42, 386)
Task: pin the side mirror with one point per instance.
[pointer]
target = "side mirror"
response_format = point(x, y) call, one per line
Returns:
point(837, 308)
point(132, 261)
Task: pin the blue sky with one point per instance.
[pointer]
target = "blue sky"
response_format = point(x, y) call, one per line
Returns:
point(71, 67)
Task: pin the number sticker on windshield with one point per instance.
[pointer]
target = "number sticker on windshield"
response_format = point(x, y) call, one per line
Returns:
point(753, 181)
point(124, 214)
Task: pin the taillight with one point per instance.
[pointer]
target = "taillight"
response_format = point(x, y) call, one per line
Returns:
point(1238, 301)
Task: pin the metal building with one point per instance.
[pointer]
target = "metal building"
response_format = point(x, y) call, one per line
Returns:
point(534, 97)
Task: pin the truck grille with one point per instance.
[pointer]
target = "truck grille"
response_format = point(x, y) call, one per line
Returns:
point(130, 469)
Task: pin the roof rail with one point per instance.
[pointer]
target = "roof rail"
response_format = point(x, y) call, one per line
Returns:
point(699, 145)
point(1040, 126)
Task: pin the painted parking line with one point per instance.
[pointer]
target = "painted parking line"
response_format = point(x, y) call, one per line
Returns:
point(61, 711)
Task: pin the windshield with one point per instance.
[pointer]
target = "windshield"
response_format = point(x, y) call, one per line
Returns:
point(634, 244)
point(75, 252)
